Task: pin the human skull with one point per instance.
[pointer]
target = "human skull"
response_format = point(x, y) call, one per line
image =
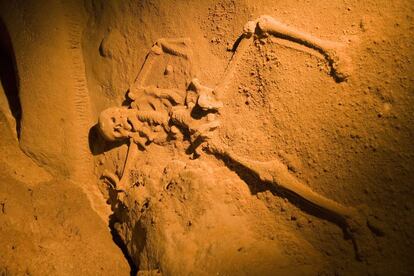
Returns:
point(113, 124)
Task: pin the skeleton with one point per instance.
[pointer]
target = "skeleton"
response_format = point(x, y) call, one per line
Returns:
point(159, 115)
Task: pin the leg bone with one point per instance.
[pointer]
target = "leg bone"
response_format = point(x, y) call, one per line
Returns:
point(333, 51)
point(277, 174)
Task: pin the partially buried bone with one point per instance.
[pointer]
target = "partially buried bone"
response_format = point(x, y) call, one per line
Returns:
point(170, 48)
point(277, 174)
point(142, 127)
point(161, 93)
point(206, 98)
point(118, 123)
point(333, 51)
point(175, 47)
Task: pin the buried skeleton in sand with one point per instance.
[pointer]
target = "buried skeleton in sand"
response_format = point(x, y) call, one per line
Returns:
point(163, 116)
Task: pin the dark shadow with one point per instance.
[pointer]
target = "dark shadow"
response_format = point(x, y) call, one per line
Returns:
point(198, 113)
point(236, 43)
point(8, 75)
point(119, 242)
point(127, 100)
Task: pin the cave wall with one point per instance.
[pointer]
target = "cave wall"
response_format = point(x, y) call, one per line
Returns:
point(350, 141)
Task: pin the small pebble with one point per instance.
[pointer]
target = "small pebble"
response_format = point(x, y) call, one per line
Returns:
point(168, 70)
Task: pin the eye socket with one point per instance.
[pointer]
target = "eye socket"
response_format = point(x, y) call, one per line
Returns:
point(113, 119)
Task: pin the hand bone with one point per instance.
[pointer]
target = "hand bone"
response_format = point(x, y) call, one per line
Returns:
point(206, 98)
